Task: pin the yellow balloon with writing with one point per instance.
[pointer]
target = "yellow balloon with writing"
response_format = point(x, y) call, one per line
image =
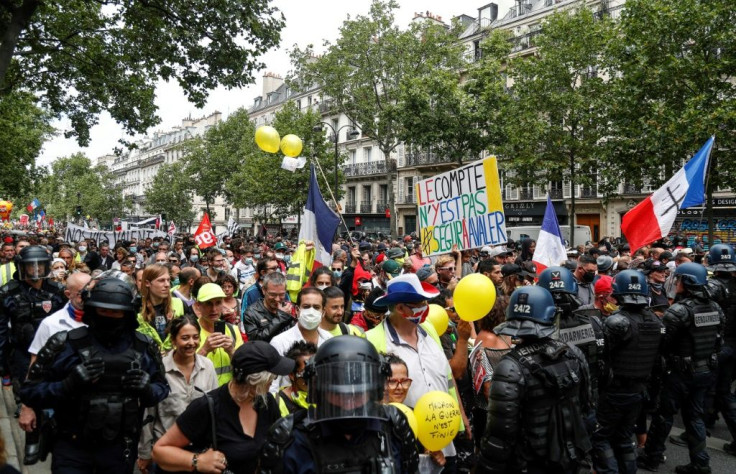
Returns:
point(438, 318)
point(291, 145)
point(474, 296)
point(5, 208)
point(410, 418)
point(267, 139)
point(438, 419)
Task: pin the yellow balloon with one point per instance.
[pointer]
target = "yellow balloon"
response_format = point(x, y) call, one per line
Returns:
point(409, 416)
point(291, 145)
point(438, 318)
point(474, 297)
point(267, 139)
point(438, 419)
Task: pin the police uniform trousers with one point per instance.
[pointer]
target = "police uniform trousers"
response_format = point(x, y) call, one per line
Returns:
point(725, 401)
point(686, 391)
point(76, 457)
point(613, 449)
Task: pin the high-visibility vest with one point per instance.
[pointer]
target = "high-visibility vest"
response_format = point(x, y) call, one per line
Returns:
point(7, 271)
point(299, 269)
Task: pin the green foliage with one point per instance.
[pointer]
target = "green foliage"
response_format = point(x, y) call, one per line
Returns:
point(60, 183)
point(85, 56)
point(675, 87)
point(23, 130)
point(170, 194)
point(261, 184)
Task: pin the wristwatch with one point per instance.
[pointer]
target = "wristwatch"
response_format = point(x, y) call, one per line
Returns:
point(195, 458)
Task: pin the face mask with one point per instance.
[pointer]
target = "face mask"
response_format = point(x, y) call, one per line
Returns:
point(155, 245)
point(133, 249)
point(610, 307)
point(249, 261)
point(287, 258)
point(419, 314)
point(257, 256)
point(310, 318)
point(337, 273)
point(588, 277)
point(174, 282)
point(194, 258)
point(279, 256)
point(82, 249)
point(58, 273)
point(322, 286)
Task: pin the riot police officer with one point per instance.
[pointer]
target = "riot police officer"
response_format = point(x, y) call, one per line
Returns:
point(347, 429)
point(540, 395)
point(691, 345)
point(578, 326)
point(98, 379)
point(633, 335)
point(722, 288)
point(24, 302)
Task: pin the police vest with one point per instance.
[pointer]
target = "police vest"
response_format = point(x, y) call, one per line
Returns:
point(583, 329)
point(727, 302)
point(699, 341)
point(335, 455)
point(552, 420)
point(106, 412)
point(634, 360)
point(30, 309)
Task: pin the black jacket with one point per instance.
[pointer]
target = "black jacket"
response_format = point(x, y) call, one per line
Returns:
point(262, 325)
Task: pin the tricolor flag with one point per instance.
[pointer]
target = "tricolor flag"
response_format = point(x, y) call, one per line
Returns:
point(319, 223)
point(232, 227)
point(653, 218)
point(158, 222)
point(550, 250)
point(35, 203)
point(172, 228)
point(204, 237)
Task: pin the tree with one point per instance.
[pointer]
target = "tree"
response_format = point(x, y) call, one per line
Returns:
point(170, 194)
point(84, 56)
point(261, 184)
point(674, 88)
point(23, 130)
point(555, 119)
point(72, 181)
point(364, 70)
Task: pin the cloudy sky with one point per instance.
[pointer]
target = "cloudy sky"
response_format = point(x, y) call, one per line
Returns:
point(307, 22)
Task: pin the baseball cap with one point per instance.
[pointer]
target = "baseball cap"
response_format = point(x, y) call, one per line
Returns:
point(485, 250)
point(425, 272)
point(501, 250)
point(279, 246)
point(209, 291)
point(510, 269)
point(604, 284)
point(392, 268)
point(371, 298)
point(653, 266)
point(257, 356)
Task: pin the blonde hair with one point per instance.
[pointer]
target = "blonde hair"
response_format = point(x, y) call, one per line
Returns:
point(148, 312)
point(257, 383)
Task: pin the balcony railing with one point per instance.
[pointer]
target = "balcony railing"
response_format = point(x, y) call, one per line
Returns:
point(381, 206)
point(526, 194)
point(350, 208)
point(526, 41)
point(365, 169)
point(408, 199)
point(631, 189)
point(588, 192)
point(366, 207)
point(555, 193)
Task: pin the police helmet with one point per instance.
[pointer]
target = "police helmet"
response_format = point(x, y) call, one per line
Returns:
point(530, 313)
point(110, 293)
point(558, 280)
point(346, 379)
point(722, 258)
point(692, 275)
point(630, 287)
point(33, 263)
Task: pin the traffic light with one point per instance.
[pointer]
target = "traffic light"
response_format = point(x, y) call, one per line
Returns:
point(79, 210)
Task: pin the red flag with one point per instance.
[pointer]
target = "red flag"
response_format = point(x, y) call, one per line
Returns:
point(51, 221)
point(204, 237)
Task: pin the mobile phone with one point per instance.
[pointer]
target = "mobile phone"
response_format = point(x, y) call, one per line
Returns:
point(220, 327)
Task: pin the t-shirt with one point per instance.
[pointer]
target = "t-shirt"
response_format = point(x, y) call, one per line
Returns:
point(240, 449)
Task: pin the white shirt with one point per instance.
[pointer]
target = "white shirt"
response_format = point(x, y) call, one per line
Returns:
point(51, 324)
point(283, 342)
point(244, 274)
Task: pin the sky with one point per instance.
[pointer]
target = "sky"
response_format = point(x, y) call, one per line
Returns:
point(307, 22)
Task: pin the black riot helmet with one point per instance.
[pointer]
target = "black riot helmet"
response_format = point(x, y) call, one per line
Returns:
point(346, 379)
point(33, 263)
point(722, 258)
point(630, 287)
point(110, 293)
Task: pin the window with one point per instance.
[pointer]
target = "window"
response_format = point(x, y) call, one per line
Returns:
point(353, 156)
point(367, 151)
point(351, 195)
point(227, 213)
point(367, 193)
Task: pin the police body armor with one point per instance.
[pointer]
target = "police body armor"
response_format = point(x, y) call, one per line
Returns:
point(553, 407)
point(106, 413)
point(723, 291)
point(631, 364)
point(28, 307)
point(583, 329)
point(700, 342)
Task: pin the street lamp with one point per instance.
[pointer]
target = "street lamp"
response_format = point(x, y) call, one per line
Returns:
point(352, 135)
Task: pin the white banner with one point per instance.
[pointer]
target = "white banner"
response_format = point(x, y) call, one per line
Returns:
point(75, 233)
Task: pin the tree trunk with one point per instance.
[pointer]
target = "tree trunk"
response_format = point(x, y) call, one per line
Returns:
point(572, 201)
point(18, 22)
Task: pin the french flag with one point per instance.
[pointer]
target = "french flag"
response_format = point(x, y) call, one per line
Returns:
point(319, 223)
point(653, 218)
point(550, 250)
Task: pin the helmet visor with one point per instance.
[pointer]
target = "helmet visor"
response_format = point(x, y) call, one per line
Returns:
point(34, 271)
point(346, 390)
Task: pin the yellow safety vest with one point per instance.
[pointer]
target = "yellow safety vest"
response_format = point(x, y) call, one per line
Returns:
point(7, 271)
point(219, 357)
point(299, 270)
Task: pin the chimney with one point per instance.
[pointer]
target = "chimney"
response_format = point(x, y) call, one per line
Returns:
point(271, 82)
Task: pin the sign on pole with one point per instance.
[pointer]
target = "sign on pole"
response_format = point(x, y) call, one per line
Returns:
point(462, 207)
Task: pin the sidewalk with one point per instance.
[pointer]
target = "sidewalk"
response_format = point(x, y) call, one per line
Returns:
point(15, 437)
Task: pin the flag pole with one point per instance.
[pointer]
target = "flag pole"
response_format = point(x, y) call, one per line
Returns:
point(708, 197)
point(337, 206)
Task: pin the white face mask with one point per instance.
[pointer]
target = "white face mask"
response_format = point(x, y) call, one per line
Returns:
point(82, 248)
point(310, 318)
point(279, 256)
point(322, 286)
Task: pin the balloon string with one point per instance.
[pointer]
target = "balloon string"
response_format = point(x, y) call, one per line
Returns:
point(337, 206)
